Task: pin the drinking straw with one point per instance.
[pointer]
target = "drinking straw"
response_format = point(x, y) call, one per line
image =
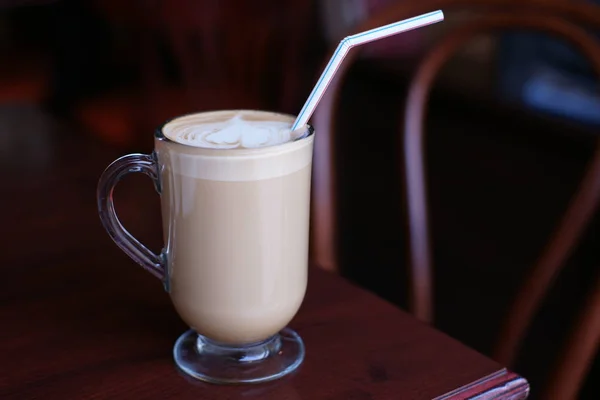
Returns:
point(356, 40)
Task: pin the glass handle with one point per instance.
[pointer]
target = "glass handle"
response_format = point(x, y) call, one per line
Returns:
point(125, 165)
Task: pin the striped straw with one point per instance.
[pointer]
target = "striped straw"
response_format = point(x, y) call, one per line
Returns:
point(356, 40)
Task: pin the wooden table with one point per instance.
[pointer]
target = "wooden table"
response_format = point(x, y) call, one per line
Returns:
point(81, 321)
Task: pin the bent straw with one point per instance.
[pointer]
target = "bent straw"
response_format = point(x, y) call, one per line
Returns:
point(356, 40)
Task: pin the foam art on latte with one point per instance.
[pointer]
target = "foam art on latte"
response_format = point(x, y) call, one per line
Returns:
point(241, 130)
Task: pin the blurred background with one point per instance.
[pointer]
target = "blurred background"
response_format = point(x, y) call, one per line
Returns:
point(511, 124)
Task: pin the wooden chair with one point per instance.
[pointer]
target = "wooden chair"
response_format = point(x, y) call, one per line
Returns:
point(119, 115)
point(242, 56)
point(24, 75)
point(247, 56)
point(549, 16)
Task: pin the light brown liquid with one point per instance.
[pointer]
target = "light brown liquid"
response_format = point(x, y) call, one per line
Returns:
point(236, 233)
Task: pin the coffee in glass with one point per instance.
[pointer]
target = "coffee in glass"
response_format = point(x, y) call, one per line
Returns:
point(235, 199)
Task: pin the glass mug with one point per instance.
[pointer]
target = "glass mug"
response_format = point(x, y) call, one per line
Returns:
point(235, 256)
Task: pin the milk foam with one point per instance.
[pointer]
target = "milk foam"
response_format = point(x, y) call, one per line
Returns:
point(207, 138)
point(238, 131)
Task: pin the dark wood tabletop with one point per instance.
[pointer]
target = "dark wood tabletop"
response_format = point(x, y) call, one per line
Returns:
point(79, 320)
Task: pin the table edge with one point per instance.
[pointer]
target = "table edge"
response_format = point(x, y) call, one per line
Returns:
point(501, 385)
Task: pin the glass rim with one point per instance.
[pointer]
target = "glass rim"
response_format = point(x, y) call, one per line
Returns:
point(159, 134)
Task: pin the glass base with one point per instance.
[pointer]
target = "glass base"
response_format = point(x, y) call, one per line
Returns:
point(213, 362)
